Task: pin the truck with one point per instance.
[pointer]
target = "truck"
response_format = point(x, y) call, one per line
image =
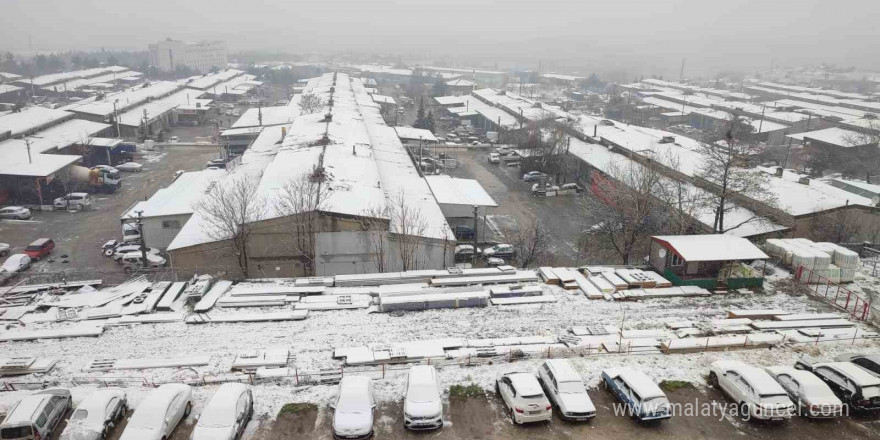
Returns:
point(97, 179)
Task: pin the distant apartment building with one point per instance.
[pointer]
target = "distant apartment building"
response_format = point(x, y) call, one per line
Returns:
point(169, 54)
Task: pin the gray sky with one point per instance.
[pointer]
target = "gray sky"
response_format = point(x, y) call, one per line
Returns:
point(646, 35)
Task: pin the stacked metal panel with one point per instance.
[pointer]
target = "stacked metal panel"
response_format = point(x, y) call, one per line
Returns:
point(434, 301)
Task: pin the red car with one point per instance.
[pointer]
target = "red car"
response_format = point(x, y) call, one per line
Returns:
point(40, 248)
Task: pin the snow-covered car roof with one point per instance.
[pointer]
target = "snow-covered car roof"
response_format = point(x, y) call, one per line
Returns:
point(638, 380)
point(758, 378)
point(14, 262)
point(853, 371)
point(220, 410)
point(94, 406)
point(526, 384)
point(150, 413)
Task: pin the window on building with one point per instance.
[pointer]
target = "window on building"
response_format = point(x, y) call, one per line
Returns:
point(170, 224)
point(677, 260)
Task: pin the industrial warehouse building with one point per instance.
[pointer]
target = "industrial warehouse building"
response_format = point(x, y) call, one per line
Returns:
point(368, 178)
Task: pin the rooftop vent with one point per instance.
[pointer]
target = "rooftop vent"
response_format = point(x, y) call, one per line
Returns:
point(778, 172)
point(804, 180)
point(327, 117)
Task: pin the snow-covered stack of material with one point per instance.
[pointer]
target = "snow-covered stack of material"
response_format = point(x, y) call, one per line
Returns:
point(846, 259)
point(434, 301)
point(833, 273)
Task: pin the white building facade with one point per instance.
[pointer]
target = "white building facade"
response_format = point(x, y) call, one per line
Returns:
point(202, 56)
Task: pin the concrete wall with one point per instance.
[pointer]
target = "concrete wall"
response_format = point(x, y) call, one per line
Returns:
point(159, 232)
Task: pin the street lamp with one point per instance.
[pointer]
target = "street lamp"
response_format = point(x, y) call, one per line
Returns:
point(116, 118)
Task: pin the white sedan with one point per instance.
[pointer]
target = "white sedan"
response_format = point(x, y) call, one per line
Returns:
point(159, 413)
point(15, 213)
point(812, 395)
point(4, 249)
point(16, 263)
point(226, 415)
point(131, 167)
point(96, 415)
point(118, 252)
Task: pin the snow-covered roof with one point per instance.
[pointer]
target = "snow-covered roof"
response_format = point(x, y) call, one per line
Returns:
point(95, 81)
point(711, 247)
point(447, 100)
point(388, 70)
point(31, 118)
point(9, 76)
point(562, 77)
point(801, 199)
point(178, 197)
point(461, 83)
point(127, 99)
point(499, 117)
point(454, 191)
point(384, 99)
point(6, 88)
point(134, 116)
point(208, 80)
point(54, 78)
point(415, 134)
point(521, 106)
point(606, 161)
point(284, 114)
point(836, 136)
point(104, 142)
point(365, 164)
point(58, 136)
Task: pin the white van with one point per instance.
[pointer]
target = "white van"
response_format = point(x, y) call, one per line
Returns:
point(36, 416)
point(422, 408)
point(77, 200)
point(566, 389)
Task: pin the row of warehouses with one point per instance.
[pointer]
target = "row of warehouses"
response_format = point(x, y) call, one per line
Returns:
point(367, 178)
point(39, 142)
point(601, 145)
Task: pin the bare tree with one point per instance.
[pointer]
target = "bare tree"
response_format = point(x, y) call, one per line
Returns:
point(231, 209)
point(625, 211)
point(310, 103)
point(864, 157)
point(408, 226)
point(530, 241)
point(301, 201)
point(724, 168)
point(375, 234)
point(838, 227)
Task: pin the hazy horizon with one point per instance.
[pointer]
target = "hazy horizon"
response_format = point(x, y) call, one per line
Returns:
point(650, 37)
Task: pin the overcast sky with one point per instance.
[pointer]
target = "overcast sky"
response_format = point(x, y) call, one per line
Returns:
point(650, 34)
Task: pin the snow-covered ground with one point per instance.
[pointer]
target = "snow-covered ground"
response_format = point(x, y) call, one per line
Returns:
point(312, 341)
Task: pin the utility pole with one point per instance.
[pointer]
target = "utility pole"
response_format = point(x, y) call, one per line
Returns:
point(116, 118)
point(761, 124)
point(140, 226)
point(476, 221)
point(27, 143)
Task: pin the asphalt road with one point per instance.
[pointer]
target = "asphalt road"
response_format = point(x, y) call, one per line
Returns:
point(79, 235)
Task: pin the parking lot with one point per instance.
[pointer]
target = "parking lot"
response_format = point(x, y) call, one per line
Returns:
point(485, 417)
point(79, 235)
point(562, 215)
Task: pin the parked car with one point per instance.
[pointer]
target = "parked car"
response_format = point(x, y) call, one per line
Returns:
point(570, 188)
point(422, 408)
point(110, 245)
point(524, 398)
point(499, 250)
point(96, 415)
point(462, 232)
point(15, 213)
point(542, 190)
point(643, 398)
point(36, 416)
point(495, 262)
point(812, 397)
point(39, 248)
point(353, 408)
point(226, 414)
point(121, 250)
point(4, 249)
point(870, 362)
point(494, 158)
point(159, 413)
point(758, 395)
point(135, 260)
point(216, 163)
point(76, 200)
point(130, 232)
point(15, 263)
point(464, 252)
point(533, 176)
point(130, 167)
point(854, 385)
point(107, 168)
point(566, 389)
point(504, 151)
point(174, 139)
